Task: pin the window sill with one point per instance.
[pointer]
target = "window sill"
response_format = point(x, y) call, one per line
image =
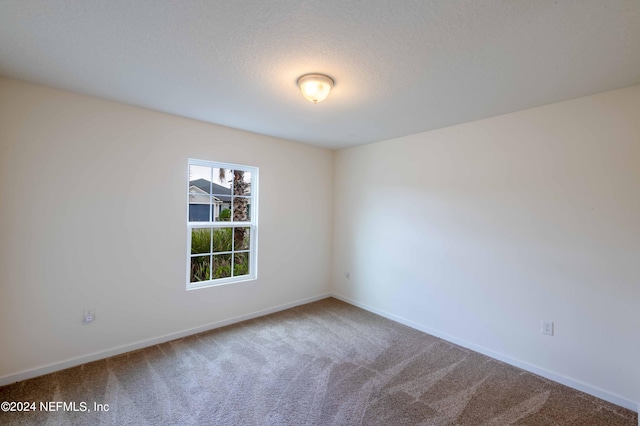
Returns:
point(221, 282)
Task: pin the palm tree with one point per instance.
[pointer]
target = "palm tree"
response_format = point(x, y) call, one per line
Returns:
point(240, 206)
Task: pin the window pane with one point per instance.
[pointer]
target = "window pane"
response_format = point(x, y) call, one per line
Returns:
point(200, 240)
point(221, 184)
point(199, 212)
point(241, 209)
point(221, 209)
point(221, 239)
point(221, 266)
point(241, 183)
point(200, 268)
point(241, 238)
point(240, 264)
point(248, 180)
point(199, 179)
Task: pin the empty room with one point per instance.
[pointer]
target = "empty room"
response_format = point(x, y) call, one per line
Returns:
point(320, 212)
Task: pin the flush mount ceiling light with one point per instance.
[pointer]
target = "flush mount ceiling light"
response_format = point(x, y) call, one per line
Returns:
point(315, 87)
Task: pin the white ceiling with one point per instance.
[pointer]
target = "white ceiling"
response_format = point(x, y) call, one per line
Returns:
point(400, 66)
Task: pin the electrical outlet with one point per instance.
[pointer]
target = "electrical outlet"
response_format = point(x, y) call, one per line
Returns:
point(547, 327)
point(88, 315)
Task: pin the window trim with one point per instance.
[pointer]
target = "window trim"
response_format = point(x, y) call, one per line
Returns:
point(252, 224)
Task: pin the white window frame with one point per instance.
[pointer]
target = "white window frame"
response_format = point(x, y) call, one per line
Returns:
point(252, 225)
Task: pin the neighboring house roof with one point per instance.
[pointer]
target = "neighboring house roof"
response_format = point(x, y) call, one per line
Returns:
point(222, 193)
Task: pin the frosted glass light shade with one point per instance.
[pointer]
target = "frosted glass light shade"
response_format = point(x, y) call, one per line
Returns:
point(315, 87)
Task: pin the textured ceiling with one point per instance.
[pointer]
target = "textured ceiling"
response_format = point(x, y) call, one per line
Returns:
point(400, 67)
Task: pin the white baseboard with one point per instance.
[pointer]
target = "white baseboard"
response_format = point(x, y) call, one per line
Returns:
point(73, 362)
point(559, 378)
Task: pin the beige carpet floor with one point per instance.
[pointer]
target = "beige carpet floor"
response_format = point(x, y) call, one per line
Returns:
point(325, 363)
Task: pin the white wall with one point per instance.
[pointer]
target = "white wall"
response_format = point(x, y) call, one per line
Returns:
point(477, 232)
point(93, 214)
